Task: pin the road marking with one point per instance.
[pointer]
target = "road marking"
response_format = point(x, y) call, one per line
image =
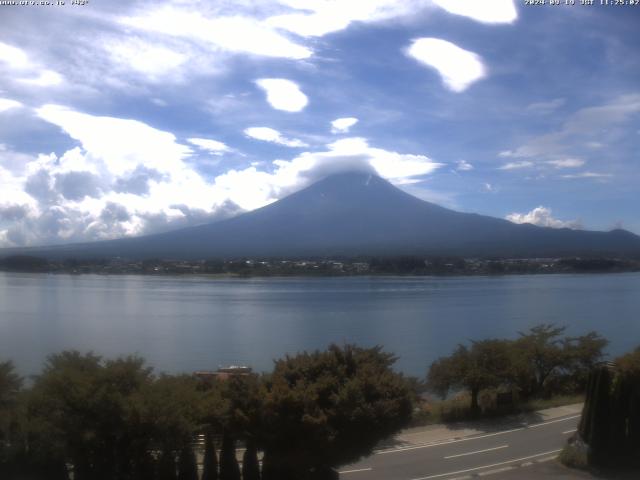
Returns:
point(495, 470)
point(570, 431)
point(354, 471)
point(486, 466)
point(477, 451)
point(552, 421)
point(477, 437)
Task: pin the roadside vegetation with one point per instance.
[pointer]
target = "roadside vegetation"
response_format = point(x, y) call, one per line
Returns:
point(86, 417)
point(97, 418)
point(540, 369)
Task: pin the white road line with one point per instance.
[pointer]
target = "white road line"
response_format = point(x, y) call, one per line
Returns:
point(354, 471)
point(570, 431)
point(477, 437)
point(477, 451)
point(552, 421)
point(486, 466)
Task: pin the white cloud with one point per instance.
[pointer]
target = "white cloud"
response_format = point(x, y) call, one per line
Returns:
point(45, 78)
point(229, 33)
point(251, 188)
point(541, 216)
point(316, 18)
point(14, 57)
point(464, 166)
point(26, 71)
point(342, 125)
point(267, 134)
point(7, 104)
point(486, 11)
point(458, 68)
point(283, 94)
point(567, 163)
point(127, 178)
point(151, 60)
point(212, 146)
point(81, 195)
point(588, 175)
point(516, 165)
point(121, 143)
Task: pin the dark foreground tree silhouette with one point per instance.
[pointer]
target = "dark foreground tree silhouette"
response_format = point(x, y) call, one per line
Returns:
point(210, 461)
point(329, 408)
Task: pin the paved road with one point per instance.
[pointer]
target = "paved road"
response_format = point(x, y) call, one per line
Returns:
point(467, 457)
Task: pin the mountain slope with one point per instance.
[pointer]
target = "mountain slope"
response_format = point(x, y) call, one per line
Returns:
point(356, 214)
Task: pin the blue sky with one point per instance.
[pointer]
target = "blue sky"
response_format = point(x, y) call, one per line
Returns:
point(125, 118)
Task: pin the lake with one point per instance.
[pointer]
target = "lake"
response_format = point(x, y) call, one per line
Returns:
point(181, 324)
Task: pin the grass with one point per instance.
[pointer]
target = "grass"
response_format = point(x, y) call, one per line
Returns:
point(574, 457)
point(457, 409)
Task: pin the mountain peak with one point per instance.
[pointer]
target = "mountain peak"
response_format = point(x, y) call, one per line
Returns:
point(354, 213)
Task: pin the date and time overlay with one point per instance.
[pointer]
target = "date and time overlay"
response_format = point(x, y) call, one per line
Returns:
point(525, 3)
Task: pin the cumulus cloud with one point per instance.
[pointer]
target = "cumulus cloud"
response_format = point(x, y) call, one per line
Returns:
point(566, 163)
point(137, 181)
point(12, 212)
point(211, 146)
point(485, 11)
point(458, 68)
point(118, 162)
point(271, 135)
point(541, 216)
point(80, 196)
point(516, 165)
point(7, 104)
point(343, 125)
point(252, 188)
point(78, 185)
point(122, 144)
point(283, 94)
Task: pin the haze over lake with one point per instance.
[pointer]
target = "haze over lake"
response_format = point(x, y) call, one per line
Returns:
point(190, 323)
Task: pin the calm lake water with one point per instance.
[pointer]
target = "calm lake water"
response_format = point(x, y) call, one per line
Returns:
point(191, 323)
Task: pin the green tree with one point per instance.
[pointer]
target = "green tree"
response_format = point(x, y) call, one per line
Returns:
point(325, 409)
point(10, 389)
point(89, 408)
point(484, 364)
point(538, 354)
point(582, 355)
